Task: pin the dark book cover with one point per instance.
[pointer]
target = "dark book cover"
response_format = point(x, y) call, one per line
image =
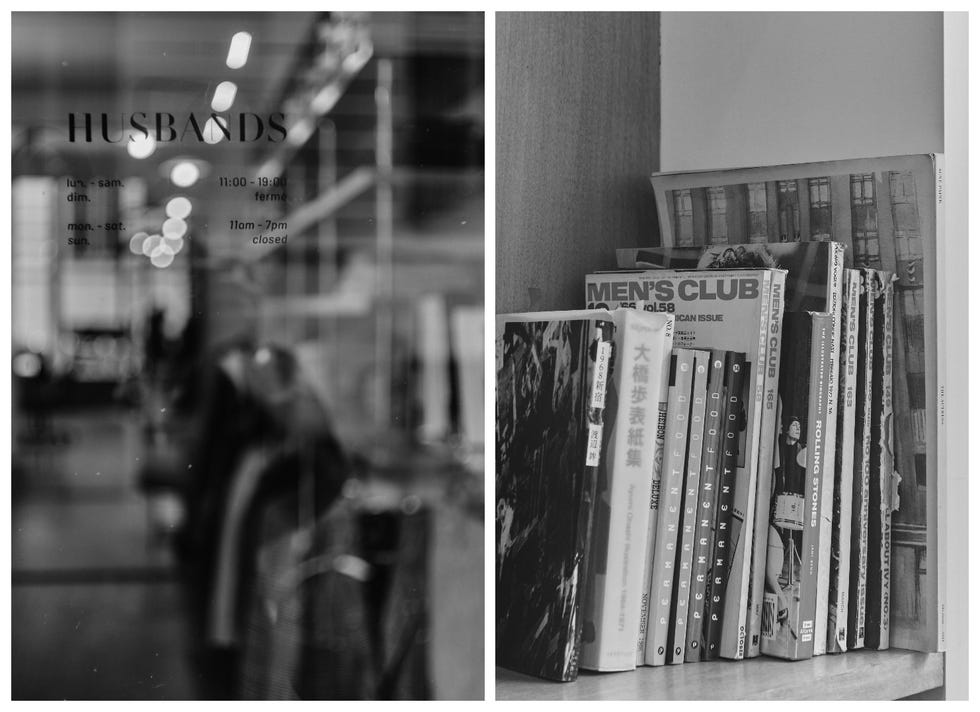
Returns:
point(857, 587)
point(882, 467)
point(724, 535)
point(548, 439)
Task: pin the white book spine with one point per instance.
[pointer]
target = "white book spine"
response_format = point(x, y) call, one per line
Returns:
point(947, 292)
point(654, 496)
point(767, 442)
point(836, 290)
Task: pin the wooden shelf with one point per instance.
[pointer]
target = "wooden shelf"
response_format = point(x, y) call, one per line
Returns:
point(858, 675)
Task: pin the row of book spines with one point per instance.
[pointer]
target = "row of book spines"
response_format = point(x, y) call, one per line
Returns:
point(860, 618)
point(676, 602)
point(686, 544)
point(706, 509)
point(721, 558)
point(676, 443)
point(849, 623)
point(675, 549)
point(703, 394)
point(728, 608)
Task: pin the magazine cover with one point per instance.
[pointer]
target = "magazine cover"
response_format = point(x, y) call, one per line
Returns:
point(885, 211)
point(551, 395)
point(790, 602)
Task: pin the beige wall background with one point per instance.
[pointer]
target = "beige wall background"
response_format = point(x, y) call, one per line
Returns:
point(754, 88)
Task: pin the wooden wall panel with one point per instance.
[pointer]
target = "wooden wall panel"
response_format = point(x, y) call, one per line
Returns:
point(578, 126)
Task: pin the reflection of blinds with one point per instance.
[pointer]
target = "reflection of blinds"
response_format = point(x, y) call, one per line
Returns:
point(34, 213)
point(864, 221)
point(821, 223)
point(717, 215)
point(758, 225)
point(683, 217)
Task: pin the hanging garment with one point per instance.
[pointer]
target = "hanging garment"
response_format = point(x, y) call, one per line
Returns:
point(272, 631)
point(245, 482)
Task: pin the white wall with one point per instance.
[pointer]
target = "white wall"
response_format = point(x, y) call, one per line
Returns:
point(743, 89)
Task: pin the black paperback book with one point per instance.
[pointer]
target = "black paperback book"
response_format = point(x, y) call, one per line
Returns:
point(857, 591)
point(548, 431)
point(877, 609)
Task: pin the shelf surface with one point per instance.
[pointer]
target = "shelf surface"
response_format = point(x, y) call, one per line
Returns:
point(857, 675)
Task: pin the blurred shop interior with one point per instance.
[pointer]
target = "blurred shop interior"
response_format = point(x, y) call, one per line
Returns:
point(248, 375)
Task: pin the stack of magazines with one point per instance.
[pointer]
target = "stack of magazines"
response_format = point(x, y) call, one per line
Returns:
point(730, 451)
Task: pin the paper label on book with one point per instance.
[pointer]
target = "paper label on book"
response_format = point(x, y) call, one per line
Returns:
point(594, 450)
point(603, 350)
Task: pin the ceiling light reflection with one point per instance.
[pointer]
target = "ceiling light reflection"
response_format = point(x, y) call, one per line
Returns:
point(141, 145)
point(136, 243)
point(214, 129)
point(178, 207)
point(185, 174)
point(238, 51)
point(174, 228)
point(150, 243)
point(163, 256)
point(224, 96)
